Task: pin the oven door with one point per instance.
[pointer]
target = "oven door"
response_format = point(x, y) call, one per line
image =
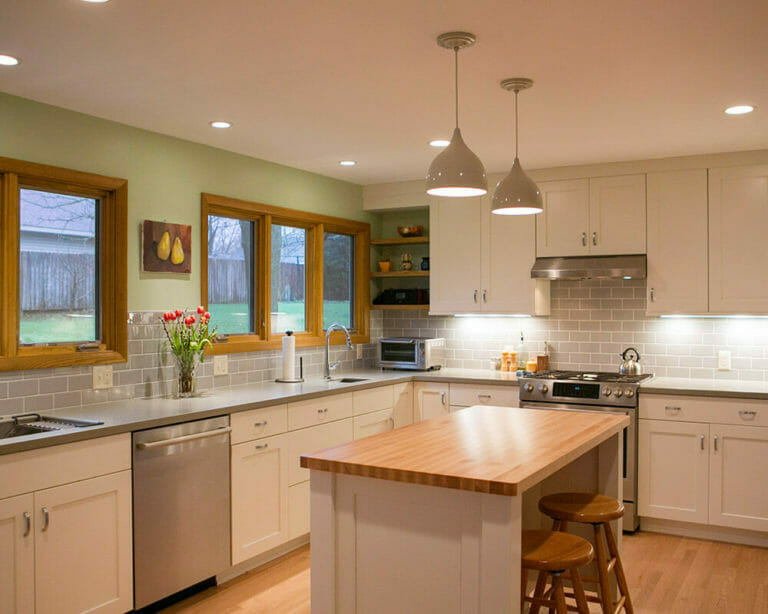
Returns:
point(399, 354)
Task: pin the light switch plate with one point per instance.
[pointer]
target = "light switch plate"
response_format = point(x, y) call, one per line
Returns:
point(359, 347)
point(102, 377)
point(723, 360)
point(221, 364)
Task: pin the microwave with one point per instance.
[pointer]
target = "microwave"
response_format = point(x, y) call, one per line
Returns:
point(412, 353)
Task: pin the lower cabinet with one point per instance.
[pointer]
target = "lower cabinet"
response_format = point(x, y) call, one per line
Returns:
point(430, 400)
point(373, 423)
point(17, 555)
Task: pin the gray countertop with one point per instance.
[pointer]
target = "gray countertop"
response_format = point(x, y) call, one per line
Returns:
point(138, 414)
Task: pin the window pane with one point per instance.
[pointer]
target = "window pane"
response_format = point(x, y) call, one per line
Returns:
point(58, 280)
point(338, 279)
point(289, 280)
point(230, 278)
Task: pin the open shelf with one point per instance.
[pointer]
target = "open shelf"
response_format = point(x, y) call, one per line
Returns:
point(399, 307)
point(401, 274)
point(400, 241)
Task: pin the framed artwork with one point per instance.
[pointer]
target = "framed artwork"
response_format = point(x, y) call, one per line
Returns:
point(166, 248)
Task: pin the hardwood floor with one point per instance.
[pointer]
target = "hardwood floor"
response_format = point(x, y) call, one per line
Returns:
point(666, 574)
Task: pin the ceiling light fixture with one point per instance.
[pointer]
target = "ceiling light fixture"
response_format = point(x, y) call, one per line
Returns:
point(347, 163)
point(739, 109)
point(439, 143)
point(216, 124)
point(8, 60)
point(456, 171)
point(516, 194)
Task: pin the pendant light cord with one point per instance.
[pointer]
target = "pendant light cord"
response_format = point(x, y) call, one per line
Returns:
point(516, 124)
point(456, 82)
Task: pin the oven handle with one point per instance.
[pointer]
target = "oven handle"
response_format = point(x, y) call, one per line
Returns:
point(562, 407)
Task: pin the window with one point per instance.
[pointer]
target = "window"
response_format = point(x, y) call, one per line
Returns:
point(62, 258)
point(268, 270)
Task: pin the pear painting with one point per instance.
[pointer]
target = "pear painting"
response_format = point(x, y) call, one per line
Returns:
point(166, 247)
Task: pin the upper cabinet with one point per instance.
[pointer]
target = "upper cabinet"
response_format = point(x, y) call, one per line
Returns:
point(480, 262)
point(598, 216)
point(738, 225)
point(678, 278)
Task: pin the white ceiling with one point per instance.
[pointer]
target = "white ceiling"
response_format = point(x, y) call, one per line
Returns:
point(310, 82)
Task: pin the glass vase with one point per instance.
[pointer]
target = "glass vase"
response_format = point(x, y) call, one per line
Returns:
point(186, 375)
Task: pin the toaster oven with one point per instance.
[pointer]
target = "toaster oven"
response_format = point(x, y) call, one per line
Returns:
point(412, 353)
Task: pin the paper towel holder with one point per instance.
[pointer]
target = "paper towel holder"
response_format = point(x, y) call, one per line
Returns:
point(298, 380)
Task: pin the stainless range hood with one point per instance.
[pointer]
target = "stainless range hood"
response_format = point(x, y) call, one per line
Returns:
point(590, 267)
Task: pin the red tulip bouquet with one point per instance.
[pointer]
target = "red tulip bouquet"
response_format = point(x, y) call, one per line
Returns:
point(188, 336)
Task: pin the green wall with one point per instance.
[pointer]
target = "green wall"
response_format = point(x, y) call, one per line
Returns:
point(165, 178)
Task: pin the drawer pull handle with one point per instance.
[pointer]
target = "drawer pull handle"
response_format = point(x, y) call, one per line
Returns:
point(392, 420)
point(46, 518)
point(262, 446)
point(715, 443)
point(27, 523)
point(483, 396)
point(594, 238)
point(584, 239)
point(322, 411)
point(670, 409)
point(262, 423)
point(747, 414)
point(702, 441)
point(442, 398)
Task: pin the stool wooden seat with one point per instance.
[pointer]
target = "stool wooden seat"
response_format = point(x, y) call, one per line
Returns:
point(551, 552)
point(599, 511)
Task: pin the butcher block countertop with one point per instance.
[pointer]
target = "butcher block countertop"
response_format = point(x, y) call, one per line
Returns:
point(498, 450)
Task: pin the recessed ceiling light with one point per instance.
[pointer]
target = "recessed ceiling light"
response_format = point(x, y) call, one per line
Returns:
point(439, 143)
point(216, 124)
point(347, 163)
point(8, 60)
point(740, 109)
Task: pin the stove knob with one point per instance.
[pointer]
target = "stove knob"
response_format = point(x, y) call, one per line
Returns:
point(529, 387)
point(619, 392)
point(629, 393)
point(543, 388)
point(607, 392)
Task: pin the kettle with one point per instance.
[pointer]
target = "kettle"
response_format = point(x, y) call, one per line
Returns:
point(630, 366)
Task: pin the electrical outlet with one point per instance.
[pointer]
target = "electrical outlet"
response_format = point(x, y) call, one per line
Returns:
point(220, 364)
point(723, 360)
point(102, 377)
point(359, 351)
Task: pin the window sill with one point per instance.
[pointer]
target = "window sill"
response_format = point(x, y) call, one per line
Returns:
point(65, 356)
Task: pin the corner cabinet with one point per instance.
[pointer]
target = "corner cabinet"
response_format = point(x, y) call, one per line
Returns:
point(481, 263)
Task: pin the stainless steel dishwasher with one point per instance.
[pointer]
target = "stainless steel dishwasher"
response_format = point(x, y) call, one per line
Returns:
point(180, 507)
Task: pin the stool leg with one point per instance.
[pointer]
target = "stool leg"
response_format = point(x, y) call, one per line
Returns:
point(621, 579)
point(602, 572)
point(541, 584)
point(578, 592)
point(558, 594)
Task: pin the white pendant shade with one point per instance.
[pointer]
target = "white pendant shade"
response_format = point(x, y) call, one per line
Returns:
point(457, 171)
point(517, 194)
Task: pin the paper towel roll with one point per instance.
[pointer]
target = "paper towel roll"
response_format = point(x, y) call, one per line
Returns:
point(289, 356)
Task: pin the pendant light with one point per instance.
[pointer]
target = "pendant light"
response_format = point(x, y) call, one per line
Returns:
point(516, 194)
point(456, 171)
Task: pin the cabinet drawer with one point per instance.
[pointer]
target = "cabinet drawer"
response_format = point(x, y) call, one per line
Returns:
point(469, 394)
point(263, 422)
point(374, 399)
point(298, 509)
point(314, 439)
point(374, 422)
point(719, 410)
point(319, 411)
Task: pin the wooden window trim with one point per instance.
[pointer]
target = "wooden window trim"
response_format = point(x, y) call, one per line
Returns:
point(316, 224)
point(113, 243)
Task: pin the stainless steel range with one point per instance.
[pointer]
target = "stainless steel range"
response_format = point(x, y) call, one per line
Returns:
point(595, 391)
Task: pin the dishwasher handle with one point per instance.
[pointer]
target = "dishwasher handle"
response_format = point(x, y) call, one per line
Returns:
point(184, 438)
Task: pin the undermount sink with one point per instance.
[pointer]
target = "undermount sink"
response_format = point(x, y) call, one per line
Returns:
point(32, 424)
point(351, 380)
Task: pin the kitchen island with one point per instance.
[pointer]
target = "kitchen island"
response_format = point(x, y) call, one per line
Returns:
point(428, 518)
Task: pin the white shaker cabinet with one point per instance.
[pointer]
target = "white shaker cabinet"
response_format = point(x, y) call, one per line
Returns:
point(673, 470)
point(562, 229)
point(431, 400)
point(738, 227)
point(402, 411)
point(17, 555)
point(738, 496)
point(678, 274)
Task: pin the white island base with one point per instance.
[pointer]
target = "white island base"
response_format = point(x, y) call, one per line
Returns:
point(381, 546)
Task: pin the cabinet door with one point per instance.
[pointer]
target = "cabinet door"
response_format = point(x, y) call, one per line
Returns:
point(673, 470)
point(83, 553)
point(509, 252)
point(738, 226)
point(738, 493)
point(403, 410)
point(17, 556)
point(431, 401)
point(562, 228)
point(313, 439)
point(454, 250)
point(678, 271)
point(617, 215)
point(373, 423)
point(259, 496)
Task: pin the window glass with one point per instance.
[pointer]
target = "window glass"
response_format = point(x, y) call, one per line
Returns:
point(289, 279)
point(58, 277)
point(338, 279)
point(230, 277)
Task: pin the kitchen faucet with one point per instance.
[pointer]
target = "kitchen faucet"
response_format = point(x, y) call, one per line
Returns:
point(328, 366)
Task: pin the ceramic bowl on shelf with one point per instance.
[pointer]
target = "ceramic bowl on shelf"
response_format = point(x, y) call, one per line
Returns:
point(411, 231)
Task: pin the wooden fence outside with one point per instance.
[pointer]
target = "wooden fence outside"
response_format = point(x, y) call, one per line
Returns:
point(56, 282)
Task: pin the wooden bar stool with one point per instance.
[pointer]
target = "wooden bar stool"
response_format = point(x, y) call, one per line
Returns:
point(599, 511)
point(552, 552)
